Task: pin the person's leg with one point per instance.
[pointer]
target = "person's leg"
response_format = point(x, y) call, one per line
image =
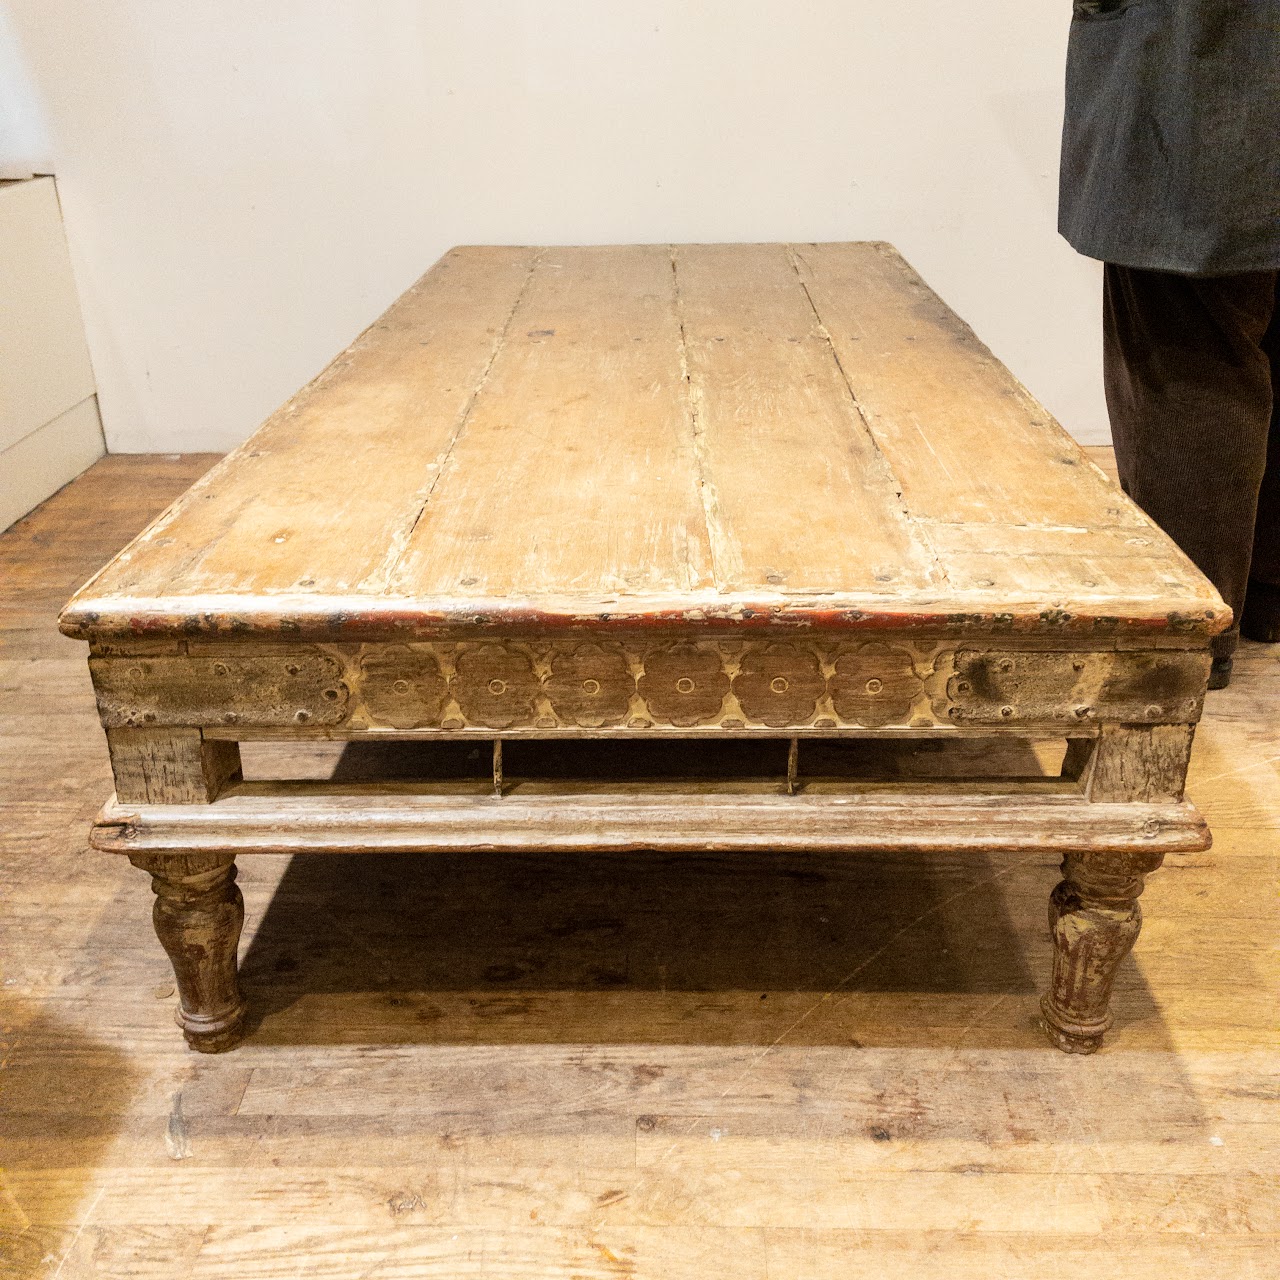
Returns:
point(1260, 619)
point(1189, 393)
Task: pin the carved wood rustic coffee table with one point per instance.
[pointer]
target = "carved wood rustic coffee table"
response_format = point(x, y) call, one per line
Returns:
point(774, 497)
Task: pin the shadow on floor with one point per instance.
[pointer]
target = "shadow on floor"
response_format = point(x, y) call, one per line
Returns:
point(730, 948)
point(62, 1097)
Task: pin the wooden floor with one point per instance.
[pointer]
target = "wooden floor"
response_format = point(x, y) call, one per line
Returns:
point(629, 1066)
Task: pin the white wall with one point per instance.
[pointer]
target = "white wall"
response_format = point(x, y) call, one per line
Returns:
point(247, 184)
point(25, 146)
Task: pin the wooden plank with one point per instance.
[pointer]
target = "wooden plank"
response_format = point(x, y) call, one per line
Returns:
point(576, 470)
point(169, 766)
point(966, 440)
point(921, 1123)
point(414, 1250)
point(990, 686)
point(1143, 763)
point(965, 1255)
point(564, 437)
point(711, 1192)
point(271, 818)
point(937, 1108)
point(245, 685)
point(799, 497)
point(324, 494)
point(1059, 564)
point(79, 527)
point(1237, 768)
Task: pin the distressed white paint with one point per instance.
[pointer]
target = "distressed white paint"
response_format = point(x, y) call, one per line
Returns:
point(247, 185)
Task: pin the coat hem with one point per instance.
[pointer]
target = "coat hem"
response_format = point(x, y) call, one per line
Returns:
point(1172, 265)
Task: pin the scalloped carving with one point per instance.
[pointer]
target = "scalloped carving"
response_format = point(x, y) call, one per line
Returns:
point(684, 684)
point(779, 684)
point(578, 681)
point(403, 686)
point(874, 684)
point(590, 685)
point(496, 686)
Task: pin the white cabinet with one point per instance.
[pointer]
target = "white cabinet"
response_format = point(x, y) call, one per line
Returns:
point(49, 425)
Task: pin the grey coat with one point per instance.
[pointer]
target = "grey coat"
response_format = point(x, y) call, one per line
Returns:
point(1171, 147)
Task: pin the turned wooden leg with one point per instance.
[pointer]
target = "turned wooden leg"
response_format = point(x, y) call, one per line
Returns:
point(1094, 920)
point(198, 915)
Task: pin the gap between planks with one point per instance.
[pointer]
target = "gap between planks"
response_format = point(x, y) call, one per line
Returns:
point(912, 520)
point(401, 540)
point(720, 544)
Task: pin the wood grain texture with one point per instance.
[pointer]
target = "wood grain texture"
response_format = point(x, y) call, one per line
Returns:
point(198, 915)
point(169, 766)
point(1143, 763)
point(350, 460)
point(627, 464)
point(1094, 919)
point(935, 399)
point(272, 818)
point(767, 435)
point(542, 1065)
point(552, 1066)
point(574, 474)
point(799, 498)
point(663, 682)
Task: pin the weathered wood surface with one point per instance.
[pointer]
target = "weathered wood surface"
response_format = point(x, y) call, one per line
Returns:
point(198, 915)
point(169, 766)
point(1094, 920)
point(274, 818)
point(764, 434)
point(667, 682)
point(691, 490)
point(563, 1067)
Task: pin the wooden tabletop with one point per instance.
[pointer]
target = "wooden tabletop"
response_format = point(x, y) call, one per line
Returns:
point(756, 434)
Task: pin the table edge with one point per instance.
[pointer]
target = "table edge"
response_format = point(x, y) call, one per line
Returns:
point(348, 617)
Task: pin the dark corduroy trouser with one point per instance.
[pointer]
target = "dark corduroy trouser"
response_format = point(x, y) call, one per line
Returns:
point(1193, 384)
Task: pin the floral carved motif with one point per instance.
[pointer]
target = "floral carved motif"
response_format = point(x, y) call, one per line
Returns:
point(684, 684)
point(874, 685)
point(567, 680)
point(779, 684)
point(590, 685)
point(496, 686)
point(403, 687)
